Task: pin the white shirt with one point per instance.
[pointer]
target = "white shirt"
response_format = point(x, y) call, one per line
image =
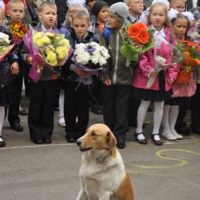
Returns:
point(45, 30)
point(132, 18)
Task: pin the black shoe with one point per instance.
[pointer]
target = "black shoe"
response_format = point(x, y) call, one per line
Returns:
point(2, 143)
point(37, 141)
point(22, 112)
point(143, 141)
point(47, 141)
point(121, 144)
point(184, 130)
point(17, 127)
point(156, 142)
point(97, 111)
point(196, 130)
point(71, 140)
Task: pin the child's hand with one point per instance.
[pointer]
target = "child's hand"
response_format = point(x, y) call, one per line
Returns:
point(14, 68)
point(107, 82)
point(170, 81)
point(154, 74)
point(82, 73)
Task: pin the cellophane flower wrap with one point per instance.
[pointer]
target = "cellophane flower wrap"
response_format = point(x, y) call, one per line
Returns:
point(47, 49)
point(137, 39)
point(166, 55)
point(191, 53)
point(5, 48)
point(18, 30)
point(90, 57)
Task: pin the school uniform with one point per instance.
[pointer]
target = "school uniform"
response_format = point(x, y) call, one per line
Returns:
point(42, 100)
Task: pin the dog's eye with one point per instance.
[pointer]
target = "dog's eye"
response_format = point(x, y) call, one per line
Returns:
point(93, 134)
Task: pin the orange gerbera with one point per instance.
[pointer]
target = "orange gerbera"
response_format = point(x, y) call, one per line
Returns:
point(191, 44)
point(133, 31)
point(143, 37)
point(185, 41)
point(198, 48)
point(141, 26)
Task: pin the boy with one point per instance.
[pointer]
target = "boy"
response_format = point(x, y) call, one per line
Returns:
point(77, 99)
point(178, 5)
point(16, 13)
point(41, 110)
point(118, 75)
point(135, 9)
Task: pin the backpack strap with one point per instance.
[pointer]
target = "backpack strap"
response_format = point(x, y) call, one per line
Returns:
point(107, 33)
point(72, 42)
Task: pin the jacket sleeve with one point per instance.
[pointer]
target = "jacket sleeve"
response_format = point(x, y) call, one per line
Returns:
point(24, 52)
point(173, 71)
point(104, 75)
point(144, 63)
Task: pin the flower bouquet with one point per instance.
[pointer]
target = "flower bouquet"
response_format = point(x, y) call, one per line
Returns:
point(46, 49)
point(18, 31)
point(191, 53)
point(166, 55)
point(90, 57)
point(184, 75)
point(137, 39)
point(5, 48)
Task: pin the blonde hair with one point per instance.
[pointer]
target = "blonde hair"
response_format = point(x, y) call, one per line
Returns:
point(167, 21)
point(81, 14)
point(11, 2)
point(43, 4)
point(173, 1)
point(73, 9)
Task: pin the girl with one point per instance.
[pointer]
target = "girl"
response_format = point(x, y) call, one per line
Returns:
point(180, 26)
point(161, 88)
point(7, 93)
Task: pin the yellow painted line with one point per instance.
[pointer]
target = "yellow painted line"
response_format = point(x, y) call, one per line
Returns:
point(196, 140)
point(159, 153)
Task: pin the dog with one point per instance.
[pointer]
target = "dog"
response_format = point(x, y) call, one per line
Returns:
point(102, 174)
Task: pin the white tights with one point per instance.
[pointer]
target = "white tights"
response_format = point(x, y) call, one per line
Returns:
point(2, 116)
point(61, 102)
point(158, 112)
point(169, 118)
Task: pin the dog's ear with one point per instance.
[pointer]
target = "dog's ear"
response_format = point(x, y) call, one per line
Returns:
point(112, 142)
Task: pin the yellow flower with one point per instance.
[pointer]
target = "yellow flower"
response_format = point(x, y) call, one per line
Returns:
point(61, 53)
point(39, 43)
point(48, 34)
point(51, 59)
point(46, 40)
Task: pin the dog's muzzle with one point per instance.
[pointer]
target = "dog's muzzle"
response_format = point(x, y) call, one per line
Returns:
point(79, 143)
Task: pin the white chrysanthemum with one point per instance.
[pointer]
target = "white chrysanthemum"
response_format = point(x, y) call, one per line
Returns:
point(160, 60)
point(95, 58)
point(83, 58)
point(4, 38)
point(102, 61)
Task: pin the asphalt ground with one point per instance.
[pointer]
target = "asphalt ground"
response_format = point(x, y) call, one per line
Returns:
point(50, 172)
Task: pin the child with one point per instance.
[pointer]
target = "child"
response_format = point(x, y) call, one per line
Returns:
point(178, 5)
point(161, 88)
point(100, 11)
point(135, 9)
point(41, 111)
point(118, 76)
point(77, 101)
point(73, 7)
point(180, 26)
point(7, 93)
point(16, 13)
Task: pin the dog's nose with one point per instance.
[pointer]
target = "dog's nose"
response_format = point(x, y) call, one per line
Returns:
point(78, 142)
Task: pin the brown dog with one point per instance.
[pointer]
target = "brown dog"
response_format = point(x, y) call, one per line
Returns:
point(102, 174)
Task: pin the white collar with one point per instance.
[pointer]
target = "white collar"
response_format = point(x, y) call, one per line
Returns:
point(160, 33)
point(44, 29)
point(132, 18)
